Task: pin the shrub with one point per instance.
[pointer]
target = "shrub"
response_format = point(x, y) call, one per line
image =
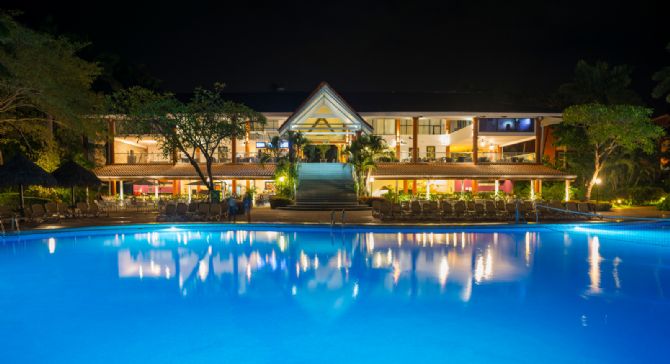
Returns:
point(645, 195)
point(664, 205)
point(278, 201)
point(368, 200)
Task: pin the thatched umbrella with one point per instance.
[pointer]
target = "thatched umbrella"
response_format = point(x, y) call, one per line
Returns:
point(71, 174)
point(22, 172)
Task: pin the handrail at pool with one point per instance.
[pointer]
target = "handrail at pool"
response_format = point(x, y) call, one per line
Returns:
point(600, 216)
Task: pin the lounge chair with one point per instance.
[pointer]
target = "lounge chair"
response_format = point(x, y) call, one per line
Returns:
point(64, 210)
point(81, 209)
point(480, 212)
point(376, 208)
point(396, 211)
point(491, 210)
point(416, 209)
point(8, 217)
point(386, 210)
point(51, 209)
point(447, 210)
point(215, 210)
point(202, 213)
point(460, 208)
point(182, 212)
point(169, 214)
point(37, 213)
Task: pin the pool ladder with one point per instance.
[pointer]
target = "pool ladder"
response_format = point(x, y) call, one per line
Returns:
point(332, 218)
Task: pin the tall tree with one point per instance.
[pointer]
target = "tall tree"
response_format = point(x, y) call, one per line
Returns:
point(609, 129)
point(202, 124)
point(44, 83)
point(598, 83)
point(662, 89)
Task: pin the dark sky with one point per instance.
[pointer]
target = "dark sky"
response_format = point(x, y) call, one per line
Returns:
point(368, 46)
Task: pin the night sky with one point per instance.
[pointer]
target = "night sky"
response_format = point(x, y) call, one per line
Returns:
point(357, 46)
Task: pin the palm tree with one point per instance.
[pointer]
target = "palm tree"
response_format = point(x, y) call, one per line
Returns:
point(364, 152)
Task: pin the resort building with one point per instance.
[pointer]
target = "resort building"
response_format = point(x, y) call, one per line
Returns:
point(443, 143)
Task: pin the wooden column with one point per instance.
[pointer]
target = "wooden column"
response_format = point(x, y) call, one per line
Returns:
point(111, 133)
point(113, 184)
point(234, 187)
point(475, 139)
point(233, 149)
point(567, 190)
point(405, 187)
point(447, 149)
point(414, 187)
point(248, 185)
point(538, 140)
point(415, 140)
point(247, 132)
point(475, 186)
point(397, 139)
point(175, 187)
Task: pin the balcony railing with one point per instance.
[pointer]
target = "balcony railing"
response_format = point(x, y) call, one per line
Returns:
point(140, 158)
point(506, 157)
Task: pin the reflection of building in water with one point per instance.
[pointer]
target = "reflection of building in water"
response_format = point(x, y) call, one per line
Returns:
point(326, 274)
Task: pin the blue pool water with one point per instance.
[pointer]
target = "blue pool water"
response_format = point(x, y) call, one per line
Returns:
point(198, 294)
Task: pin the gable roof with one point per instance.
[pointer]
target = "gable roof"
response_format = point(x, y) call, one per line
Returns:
point(324, 94)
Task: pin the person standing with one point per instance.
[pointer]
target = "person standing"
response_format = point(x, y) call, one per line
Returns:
point(247, 202)
point(232, 208)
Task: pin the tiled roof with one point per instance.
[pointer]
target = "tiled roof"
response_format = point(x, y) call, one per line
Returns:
point(182, 171)
point(383, 171)
point(467, 171)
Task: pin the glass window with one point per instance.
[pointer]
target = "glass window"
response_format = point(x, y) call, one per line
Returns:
point(384, 126)
point(430, 152)
point(405, 127)
point(459, 124)
point(501, 125)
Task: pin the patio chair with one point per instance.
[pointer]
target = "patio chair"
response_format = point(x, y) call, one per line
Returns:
point(491, 210)
point(81, 209)
point(447, 210)
point(37, 212)
point(415, 207)
point(93, 210)
point(202, 213)
point(182, 210)
point(396, 211)
point(214, 212)
point(9, 218)
point(427, 210)
point(460, 208)
point(470, 206)
point(501, 210)
point(386, 210)
point(480, 212)
point(102, 208)
point(169, 214)
point(64, 211)
point(376, 208)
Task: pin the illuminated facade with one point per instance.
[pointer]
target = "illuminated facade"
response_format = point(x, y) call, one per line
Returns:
point(446, 151)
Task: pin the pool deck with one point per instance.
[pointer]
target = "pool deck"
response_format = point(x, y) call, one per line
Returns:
point(266, 215)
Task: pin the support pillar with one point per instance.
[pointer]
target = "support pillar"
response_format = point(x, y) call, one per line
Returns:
point(413, 187)
point(121, 190)
point(538, 187)
point(447, 149)
point(247, 132)
point(156, 190)
point(475, 140)
point(538, 140)
point(497, 186)
point(234, 187)
point(233, 149)
point(405, 188)
point(427, 189)
point(475, 186)
point(415, 140)
point(397, 139)
point(567, 190)
point(175, 187)
point(532, 189)
point(189, 192)
point(112, 185)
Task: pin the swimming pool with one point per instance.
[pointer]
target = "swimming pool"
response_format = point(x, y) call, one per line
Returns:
point(209, 293)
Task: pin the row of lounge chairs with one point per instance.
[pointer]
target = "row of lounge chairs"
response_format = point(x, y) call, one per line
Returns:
point(194, 211)
point(490, 210)
point(38, 213)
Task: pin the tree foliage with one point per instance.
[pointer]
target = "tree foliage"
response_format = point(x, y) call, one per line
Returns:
point(598, 83)
point(200, 125)
point(662, 88)
point(364, 152)
point(605, 130)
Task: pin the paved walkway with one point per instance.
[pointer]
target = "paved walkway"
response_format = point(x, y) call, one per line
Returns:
point(266, 215)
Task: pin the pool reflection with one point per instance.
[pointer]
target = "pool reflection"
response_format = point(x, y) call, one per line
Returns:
point(342, 266)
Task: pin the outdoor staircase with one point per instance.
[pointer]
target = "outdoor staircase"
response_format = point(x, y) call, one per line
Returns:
point(324, 187)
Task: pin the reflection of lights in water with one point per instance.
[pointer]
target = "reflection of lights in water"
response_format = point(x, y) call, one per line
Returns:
point(399, 239)
point(297, 269)
point(248, 272)
point(52, 245)
point(484, 266)
point(294, 290)
point(371, 242)
point(396, 272)
point(304, 261)
point(594, 264)
point(141, 272)
point(203, 270)
point(615, 272)
point(282, 243)
point(432, 239)
point(339, 259)
point(444, 270)
point(167, 272)
point(495, 238)
point(316, 262)
point(389, 256)
point(479, 268)
point(355, 291)
point(527, 251)
point(463, 239)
